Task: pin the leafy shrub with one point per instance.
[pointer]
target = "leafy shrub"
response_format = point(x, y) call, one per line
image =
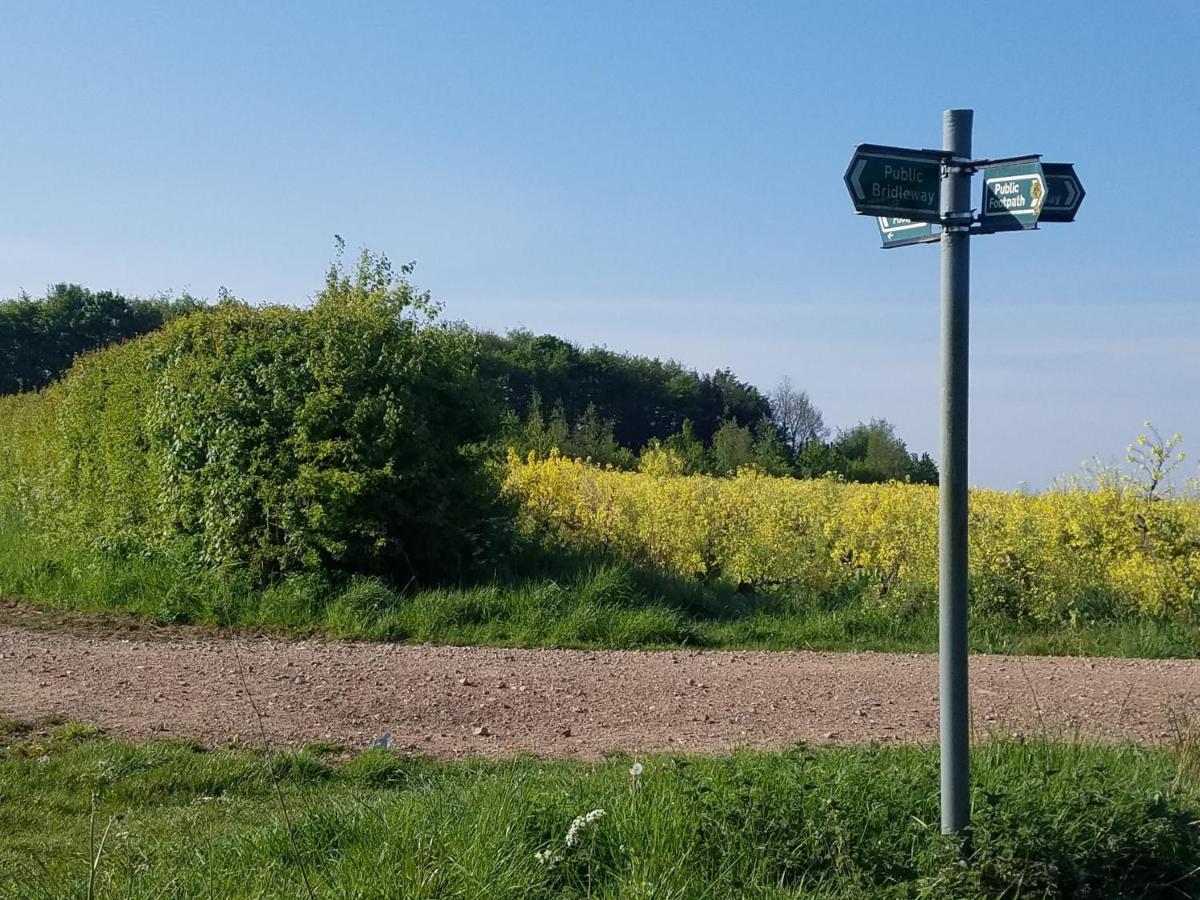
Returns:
point(272, 439)
point(1048, 557)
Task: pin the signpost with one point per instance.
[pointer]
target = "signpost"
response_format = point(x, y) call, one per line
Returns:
point(893, 181)
point(909, 191)
point(1064, 193)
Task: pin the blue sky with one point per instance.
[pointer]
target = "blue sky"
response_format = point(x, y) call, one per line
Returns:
point(664, 178)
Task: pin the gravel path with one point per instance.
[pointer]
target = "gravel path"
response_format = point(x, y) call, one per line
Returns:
point(451, 701)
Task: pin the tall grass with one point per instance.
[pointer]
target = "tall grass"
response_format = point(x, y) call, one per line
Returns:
point(1050, 821)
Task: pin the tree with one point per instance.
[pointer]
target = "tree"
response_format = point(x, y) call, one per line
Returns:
point(819, 459)
point(532, 435)
point(589, 437)
point(557, 428)
point(770, 453)
point(1153, 458)
point(874, 452)
point(688, 448)
point(644, 398)
point(924, 470)
point(732, 448)
point(537, 434)
point(39, 339)
point(592, 438)
point(798, 420)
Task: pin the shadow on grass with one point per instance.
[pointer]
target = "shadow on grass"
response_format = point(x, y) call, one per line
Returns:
point(540, 599)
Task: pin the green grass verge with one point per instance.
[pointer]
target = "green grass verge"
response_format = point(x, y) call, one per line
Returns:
point(558, 603)
point(169, 819)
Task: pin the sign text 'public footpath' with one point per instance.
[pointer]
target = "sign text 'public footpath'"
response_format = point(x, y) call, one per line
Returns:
point(1013, 196)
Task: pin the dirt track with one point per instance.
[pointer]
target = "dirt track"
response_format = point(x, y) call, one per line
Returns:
point(434, 700)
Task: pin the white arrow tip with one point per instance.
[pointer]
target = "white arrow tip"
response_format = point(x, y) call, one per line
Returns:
point(855, 179)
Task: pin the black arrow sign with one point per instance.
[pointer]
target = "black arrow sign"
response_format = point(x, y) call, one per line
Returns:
point(1064, 193)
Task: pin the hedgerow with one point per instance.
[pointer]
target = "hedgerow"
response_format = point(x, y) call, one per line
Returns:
point(269, 439)
point(1054, 556)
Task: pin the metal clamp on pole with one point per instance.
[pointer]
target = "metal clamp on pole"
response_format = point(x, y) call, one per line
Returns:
point(958, 221)
point(977, 164)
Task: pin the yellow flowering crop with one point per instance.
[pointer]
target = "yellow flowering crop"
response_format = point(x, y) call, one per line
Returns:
point(1041, 556)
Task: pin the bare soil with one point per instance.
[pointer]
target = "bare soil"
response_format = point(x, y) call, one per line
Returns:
point(142, 682)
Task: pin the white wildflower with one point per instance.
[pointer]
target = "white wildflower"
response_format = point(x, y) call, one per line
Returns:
point(549, 858)
point(581, 823)
point(636, 770)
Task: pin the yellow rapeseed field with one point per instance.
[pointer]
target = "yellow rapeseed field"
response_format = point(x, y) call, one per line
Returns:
point(1042, 556)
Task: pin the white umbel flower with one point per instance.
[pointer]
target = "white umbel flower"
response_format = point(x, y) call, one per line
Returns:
point(581, 824)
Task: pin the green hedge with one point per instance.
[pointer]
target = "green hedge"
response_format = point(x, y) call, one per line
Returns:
point(272, 439)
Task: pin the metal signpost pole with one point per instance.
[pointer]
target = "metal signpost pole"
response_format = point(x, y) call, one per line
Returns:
point(952, 522)
point(909, 191)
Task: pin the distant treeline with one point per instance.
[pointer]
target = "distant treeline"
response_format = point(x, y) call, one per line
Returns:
point(547, 393)
point(612, 407)
point(643, 398)
point(39, 338)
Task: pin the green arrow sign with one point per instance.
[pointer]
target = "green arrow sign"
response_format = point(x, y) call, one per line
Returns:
point(898, 232)
point(1013, 196)
point(895, 181)
point(1064, 193)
